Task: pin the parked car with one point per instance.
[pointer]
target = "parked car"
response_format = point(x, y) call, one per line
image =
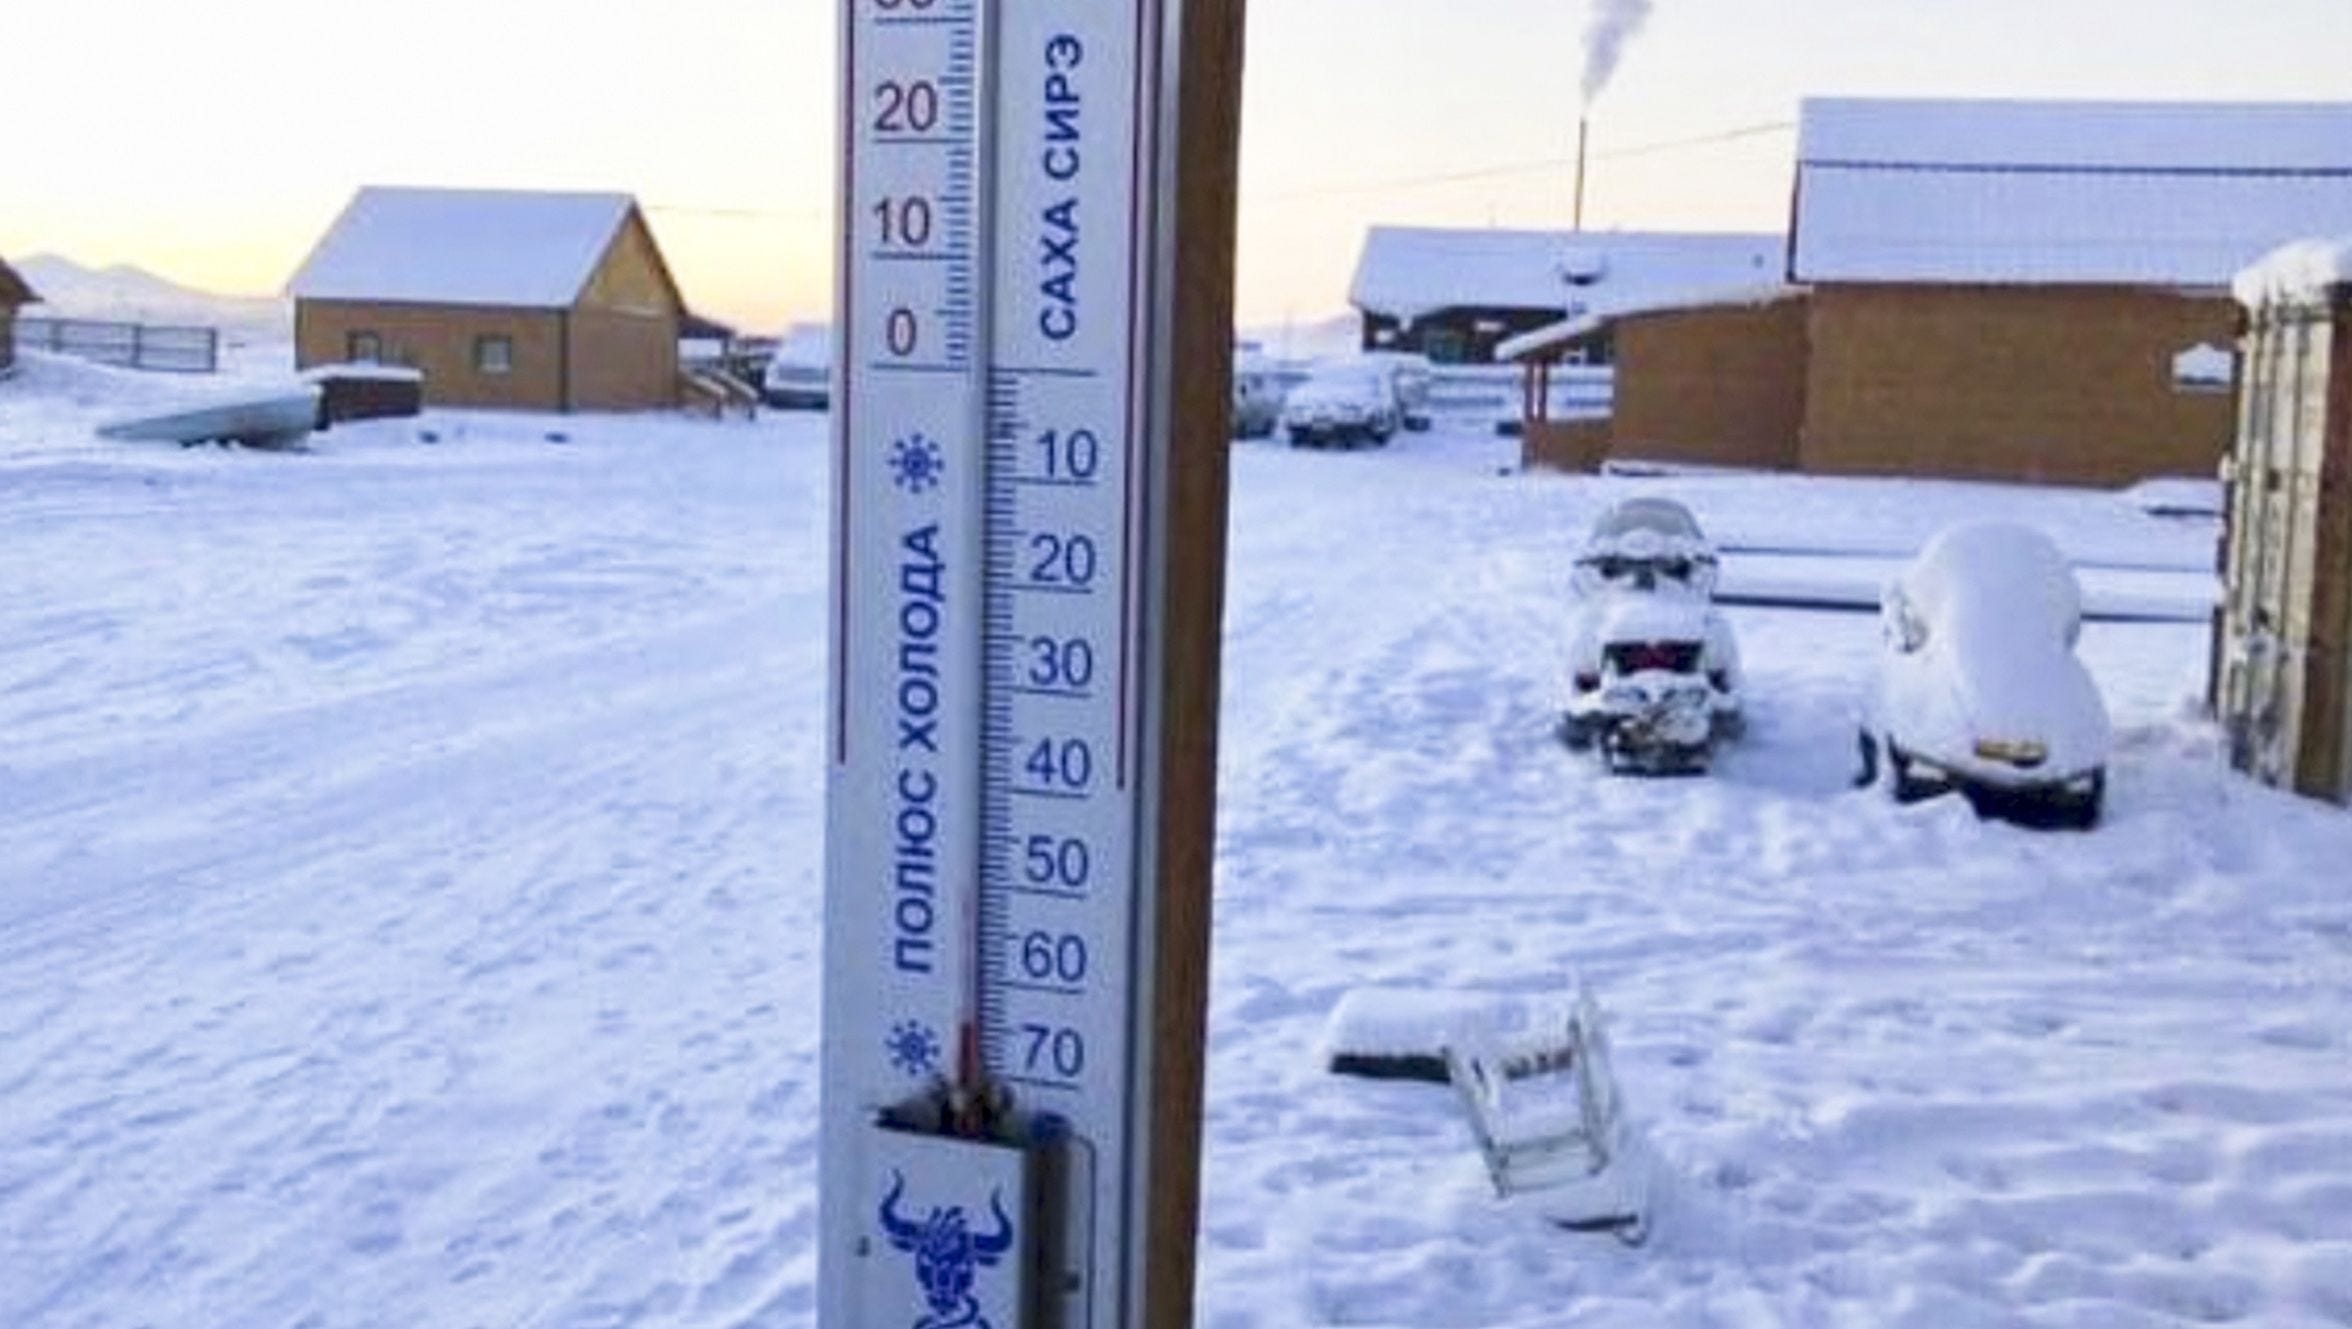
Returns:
point(1258, 393)
point(1979, 689)
point(1654, 671)
point(1413, 375)
point(799, 375)
point(1345, 402)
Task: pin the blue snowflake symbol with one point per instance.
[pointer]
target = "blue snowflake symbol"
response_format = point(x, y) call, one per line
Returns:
point(913, 1048)
point(916, 463)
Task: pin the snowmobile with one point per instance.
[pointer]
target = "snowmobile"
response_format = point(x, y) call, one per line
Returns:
point(1654, 672)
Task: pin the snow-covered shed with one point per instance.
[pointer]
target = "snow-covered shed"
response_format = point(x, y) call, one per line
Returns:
point(2004, 290)
point(502, 298)
point(1454, 295)
point(14, 294)
point(2283, 677)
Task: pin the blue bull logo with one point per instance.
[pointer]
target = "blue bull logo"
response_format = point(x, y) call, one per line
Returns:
point(948, 1255)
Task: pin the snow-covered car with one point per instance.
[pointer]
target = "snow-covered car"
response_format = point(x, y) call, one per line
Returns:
point(1411, 375)
point(1257, 395)
point(1979, 689)
point(1654, 671)
point(799, 375)
point(1347, 403)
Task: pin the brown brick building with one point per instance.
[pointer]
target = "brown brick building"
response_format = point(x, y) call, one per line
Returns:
point(503, 299)
point(2010, 291)
point(2018, 290)
point(13, 295)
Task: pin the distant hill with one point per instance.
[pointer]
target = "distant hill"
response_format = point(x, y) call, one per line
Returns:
point(133, 294)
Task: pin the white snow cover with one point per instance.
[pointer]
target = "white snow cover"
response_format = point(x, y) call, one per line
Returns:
point(365, 370)
point(513, 248)
point(2238, 136)
point(1745, 296)
point(2303, 270)
point(2177, 496)
point(806, 345)
point(1999, 611)
point(283, 412)
point(410, 866)
point(1395, 1022)
point(2204, 366)
point(2006, 573)
point(1340, 383)
point(1409, 272)
point(2162, 194)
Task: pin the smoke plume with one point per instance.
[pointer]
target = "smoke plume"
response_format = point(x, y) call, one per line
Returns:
point(1613, 26)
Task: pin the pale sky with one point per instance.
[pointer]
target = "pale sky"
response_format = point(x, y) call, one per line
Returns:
point(213, 141)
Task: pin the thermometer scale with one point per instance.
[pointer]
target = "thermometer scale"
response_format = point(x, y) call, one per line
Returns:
point(1001, 526)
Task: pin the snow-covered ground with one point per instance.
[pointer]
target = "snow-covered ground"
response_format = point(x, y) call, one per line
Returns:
point(409, 896)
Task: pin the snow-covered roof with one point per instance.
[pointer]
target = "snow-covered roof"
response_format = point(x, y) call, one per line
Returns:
point(509, 248)
point(1751, 296)
point(363, 371)
point(2303, 270)
point(806, 344)
point(1410, 272)
point(2168, 194)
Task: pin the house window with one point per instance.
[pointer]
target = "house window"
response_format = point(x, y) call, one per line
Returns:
point(363, 348)
point(494, 355)
point(1446, 346)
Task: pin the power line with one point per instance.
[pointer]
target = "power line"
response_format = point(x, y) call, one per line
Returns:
point(808, 213)
point(1544, 165)
point(1495, 172)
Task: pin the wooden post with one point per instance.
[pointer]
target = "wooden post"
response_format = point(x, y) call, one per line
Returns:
point(1197, 198)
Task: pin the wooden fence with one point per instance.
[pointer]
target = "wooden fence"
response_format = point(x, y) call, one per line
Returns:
point(173, 350)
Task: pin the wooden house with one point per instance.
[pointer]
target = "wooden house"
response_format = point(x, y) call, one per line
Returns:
point(1456, 295)
point(2031, 291)
point(14, 294)
point(504, 299)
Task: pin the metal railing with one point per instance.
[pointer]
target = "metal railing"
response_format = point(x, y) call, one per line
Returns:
point(1487, 394)
point(1582, 392)
point(171, 350)
point(1499, 391)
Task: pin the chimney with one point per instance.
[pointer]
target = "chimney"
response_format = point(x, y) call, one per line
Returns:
point(1583, 137)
